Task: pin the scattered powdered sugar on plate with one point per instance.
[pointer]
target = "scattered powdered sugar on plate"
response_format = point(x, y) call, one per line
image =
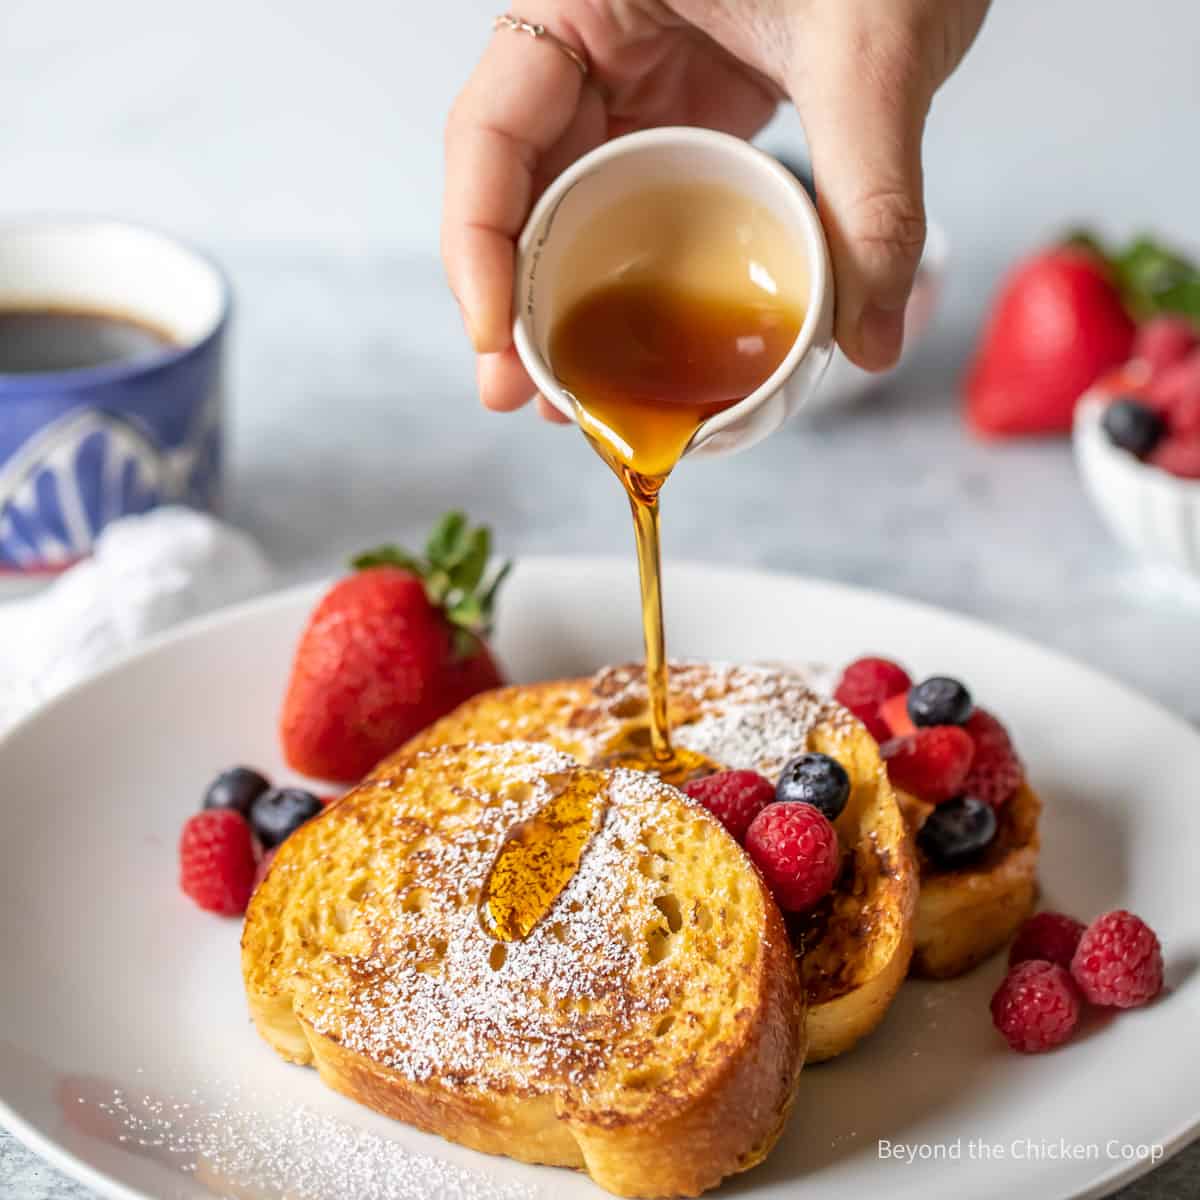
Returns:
point(237, 1149)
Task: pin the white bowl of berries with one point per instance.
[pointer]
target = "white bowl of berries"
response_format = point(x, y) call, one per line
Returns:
point(1137, 443)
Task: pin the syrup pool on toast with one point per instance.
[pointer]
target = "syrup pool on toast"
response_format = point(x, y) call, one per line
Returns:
point(672, 339)
point(538, 858)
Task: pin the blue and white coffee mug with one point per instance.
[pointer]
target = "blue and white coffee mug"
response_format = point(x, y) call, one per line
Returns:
point(82, 446)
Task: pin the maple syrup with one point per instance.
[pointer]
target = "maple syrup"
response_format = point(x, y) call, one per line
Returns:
point(701, 306)
point(538, 858)
point(647, 362)
point(634, 749)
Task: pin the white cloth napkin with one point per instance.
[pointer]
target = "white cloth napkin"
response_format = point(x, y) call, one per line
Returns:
point(147, 573)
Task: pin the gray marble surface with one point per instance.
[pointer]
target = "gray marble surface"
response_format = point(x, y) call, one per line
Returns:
point(353, 420)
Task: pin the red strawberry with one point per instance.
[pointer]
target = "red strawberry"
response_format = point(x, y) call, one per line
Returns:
point(1058, 324)
point(1165, 340)
point(1179, 454)
point(996, 771)
point(894, 712)
point(389, 650)
point(931, 763)
point(216, 861)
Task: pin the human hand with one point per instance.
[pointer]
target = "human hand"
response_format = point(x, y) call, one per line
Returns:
point(861, 73)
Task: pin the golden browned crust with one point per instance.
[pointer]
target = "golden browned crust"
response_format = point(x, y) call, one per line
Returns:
point(965, 916)
point(650, 1029)
point(856, 947)
point(864, 932)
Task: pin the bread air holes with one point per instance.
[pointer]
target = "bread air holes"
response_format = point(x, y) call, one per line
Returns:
point(658, 936)
point(498, 956)
point(574, 1004)
point(436, 953)
point(645, 1079)
point(668, 905)
point(664, 1026)
point(360, 889)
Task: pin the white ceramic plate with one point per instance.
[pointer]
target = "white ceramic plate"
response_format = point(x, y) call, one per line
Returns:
point(126, 1056)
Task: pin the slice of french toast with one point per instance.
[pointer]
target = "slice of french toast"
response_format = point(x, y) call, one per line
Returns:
point(855, 946)
point(560, 964)
point(965, 915)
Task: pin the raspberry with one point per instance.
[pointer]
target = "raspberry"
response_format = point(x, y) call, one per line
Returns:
point(1118, 962)
point(796, 849)
point(931, 763)
point(1178, 454)
point(1163, 341)
point(894, 712)
point(216, 861)
point(735, 798)
point(870, 681)
point(1048, 936)
point(1036, 1007)
point(1184, 416)
point(996, 771)
point(865, 684)
point(1176, 383)
point(1129, 379)
point(264, 865)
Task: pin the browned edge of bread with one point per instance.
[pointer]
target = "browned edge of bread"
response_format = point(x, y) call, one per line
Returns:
point(682, 1141)
point(966, 915)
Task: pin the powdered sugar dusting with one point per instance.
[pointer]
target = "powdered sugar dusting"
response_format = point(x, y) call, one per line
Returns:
point(744, 717)
point(239, 1147)
point(517, 1017)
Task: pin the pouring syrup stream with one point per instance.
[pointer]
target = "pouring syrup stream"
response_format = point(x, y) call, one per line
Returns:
point(647, 364)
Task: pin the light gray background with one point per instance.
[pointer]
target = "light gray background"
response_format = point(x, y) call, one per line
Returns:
point(301, 142)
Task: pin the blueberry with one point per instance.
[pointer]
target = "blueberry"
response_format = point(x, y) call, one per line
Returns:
point(957, 832)
point(1132, 426)
point(815, 779)
point(236, 788)
point(279, 812)
point(939, 701)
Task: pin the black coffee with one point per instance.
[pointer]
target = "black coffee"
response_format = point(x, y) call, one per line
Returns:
point(65, 339)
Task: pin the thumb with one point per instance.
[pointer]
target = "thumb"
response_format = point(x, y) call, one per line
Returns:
point(864, 115)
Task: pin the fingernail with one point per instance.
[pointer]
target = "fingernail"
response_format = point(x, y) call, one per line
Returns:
point(880, 336)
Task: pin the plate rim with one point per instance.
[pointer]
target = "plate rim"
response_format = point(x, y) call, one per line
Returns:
point(746, 574)
point(77, 1168)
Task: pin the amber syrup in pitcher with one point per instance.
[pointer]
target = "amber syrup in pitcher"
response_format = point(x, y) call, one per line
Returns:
point(648, 362)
